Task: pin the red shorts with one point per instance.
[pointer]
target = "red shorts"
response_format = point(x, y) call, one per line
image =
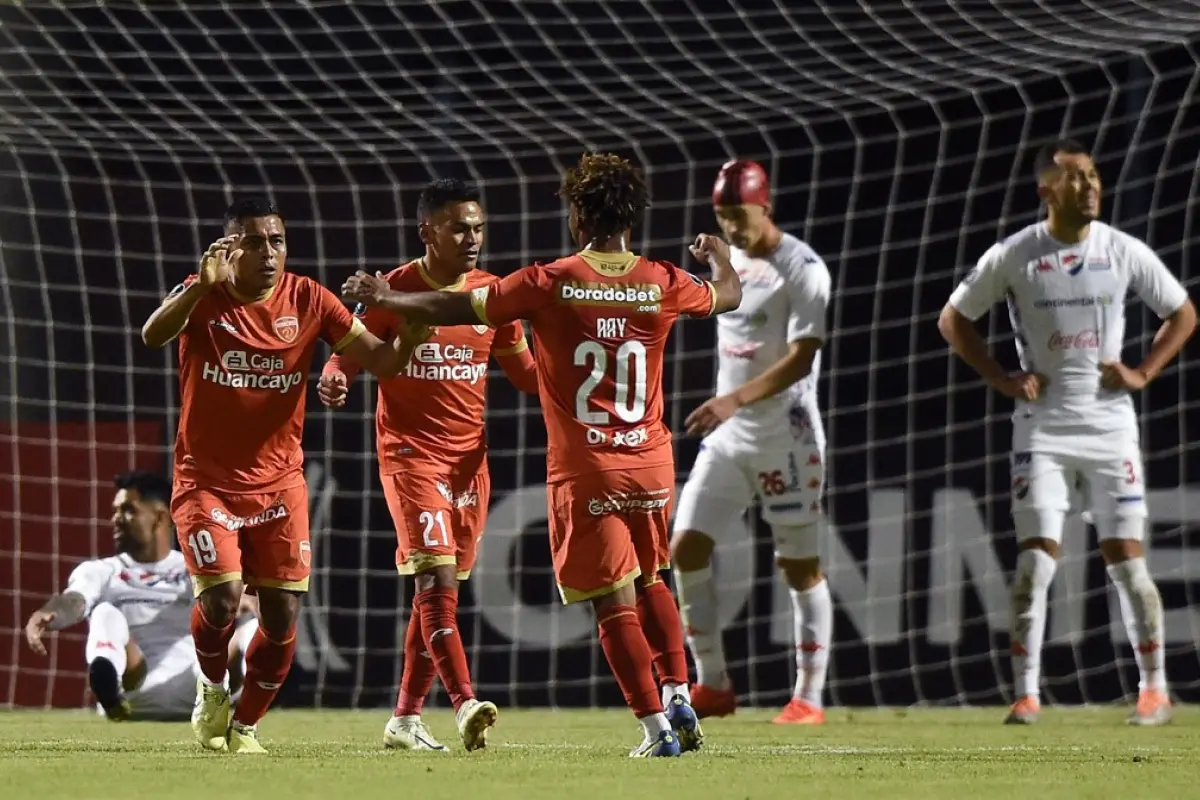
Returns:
point(609, 528)
point(439, 518)
point(260, 539)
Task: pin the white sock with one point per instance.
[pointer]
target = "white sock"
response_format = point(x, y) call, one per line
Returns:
point(698, 608)
point(242, 638)
point(654, 724)
point(812, 627)
point(1142, 610)
point(1030, 590)
point(108, 635)
point(670, 690)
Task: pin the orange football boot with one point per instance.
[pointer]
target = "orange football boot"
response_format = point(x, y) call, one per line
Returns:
point(1153, 708)
point(709, 701)
point(800, 712)
point(1024, 711)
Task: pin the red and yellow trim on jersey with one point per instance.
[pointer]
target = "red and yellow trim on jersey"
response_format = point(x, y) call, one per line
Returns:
point(272, 583)
point(479, 298)
point(420, 562)
point(610, 265)
point(357, 329)
point(202, 583)
point(570, 595)
point(519, 347)
point(432, 284)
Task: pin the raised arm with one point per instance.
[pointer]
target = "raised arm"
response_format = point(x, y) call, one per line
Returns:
point(727, 286)
point(171, 317)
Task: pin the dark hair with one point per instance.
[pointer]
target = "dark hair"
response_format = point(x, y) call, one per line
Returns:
point(1045, 154)
point(608, 193)
point(151, 486)
point(442, 192)
point(249, 208)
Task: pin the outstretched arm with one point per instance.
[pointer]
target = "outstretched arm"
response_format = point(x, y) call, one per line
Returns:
point(431, 308)
point(60, 611)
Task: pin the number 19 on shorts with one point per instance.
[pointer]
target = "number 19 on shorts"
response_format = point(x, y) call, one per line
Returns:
point(204, 550)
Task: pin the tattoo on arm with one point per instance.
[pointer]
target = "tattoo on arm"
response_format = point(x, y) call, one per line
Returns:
point(68, 608)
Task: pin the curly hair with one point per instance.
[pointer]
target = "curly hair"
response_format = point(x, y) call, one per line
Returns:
point(608, 193)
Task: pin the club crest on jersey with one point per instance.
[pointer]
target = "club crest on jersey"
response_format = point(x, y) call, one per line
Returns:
point(480, 329)
point(287, 328)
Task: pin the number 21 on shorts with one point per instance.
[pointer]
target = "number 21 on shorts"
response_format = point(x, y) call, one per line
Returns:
point(204, 550)
point(434, 520)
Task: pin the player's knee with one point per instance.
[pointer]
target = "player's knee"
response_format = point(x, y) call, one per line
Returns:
point(623, 596)
point(220, 603)
point(277, 612)
point(443, 576)
point(691, 550)
point(801, 574)
point(1121, 538)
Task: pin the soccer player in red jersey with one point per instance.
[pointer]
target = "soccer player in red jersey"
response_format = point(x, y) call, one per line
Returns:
point(433, 456)
point(247, 331)
point(600, 322)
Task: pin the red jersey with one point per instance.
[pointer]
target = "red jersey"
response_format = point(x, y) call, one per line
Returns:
point(430, 416)
point(600, 324)
point(243, 374)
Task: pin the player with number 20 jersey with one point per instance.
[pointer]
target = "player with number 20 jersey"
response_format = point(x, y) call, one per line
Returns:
point(600, 321)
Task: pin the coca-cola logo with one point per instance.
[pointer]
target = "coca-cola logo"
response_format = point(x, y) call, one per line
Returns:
point(1083, 340)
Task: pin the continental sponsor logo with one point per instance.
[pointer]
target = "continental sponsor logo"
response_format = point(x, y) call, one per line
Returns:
point(643, 297)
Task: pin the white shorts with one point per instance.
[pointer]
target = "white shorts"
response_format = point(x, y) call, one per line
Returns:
point(169, 690)
point(787, 478)
point(1104, 477)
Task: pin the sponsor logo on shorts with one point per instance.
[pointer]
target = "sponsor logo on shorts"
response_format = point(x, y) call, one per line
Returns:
point(232, 523)
point(634, 438)
point(466, 499)
point(287, 328)
point(435, 361)
point(1081, 340)
point(1022, 459)
point(645, 502)
point(643, 297)
point(1020, 487)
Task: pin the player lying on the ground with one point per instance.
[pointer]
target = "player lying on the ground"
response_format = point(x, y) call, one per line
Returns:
point(140, 659)
point(1066, 280)
point(600, 322)
point(433, 456)
point(247, 333)
point(763, 437)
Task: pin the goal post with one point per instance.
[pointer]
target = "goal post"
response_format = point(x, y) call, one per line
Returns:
point(898, 138)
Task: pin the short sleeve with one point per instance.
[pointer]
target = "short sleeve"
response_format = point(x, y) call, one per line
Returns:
point(89, 580)
point(1153, 282)
point(808, 290)
point(984, 286)
point(694, 297)
point(338, 326)
point(517, 296)
point(510, 339)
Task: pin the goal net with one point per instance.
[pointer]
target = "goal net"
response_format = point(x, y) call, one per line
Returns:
point(897, 135)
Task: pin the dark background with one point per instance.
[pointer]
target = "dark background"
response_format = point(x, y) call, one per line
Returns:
point(900, 145)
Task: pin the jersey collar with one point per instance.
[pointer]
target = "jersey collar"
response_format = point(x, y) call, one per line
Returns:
point(610, 265)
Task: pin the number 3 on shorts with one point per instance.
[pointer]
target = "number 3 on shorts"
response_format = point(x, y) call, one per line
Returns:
point(1130, 473)
point(429, 520)
point(203, 549)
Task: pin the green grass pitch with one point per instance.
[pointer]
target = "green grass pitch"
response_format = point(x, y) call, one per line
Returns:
point(581, 755)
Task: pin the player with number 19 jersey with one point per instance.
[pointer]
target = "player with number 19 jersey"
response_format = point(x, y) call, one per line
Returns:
point(600, 322)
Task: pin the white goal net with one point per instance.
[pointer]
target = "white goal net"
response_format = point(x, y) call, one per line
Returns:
point(898, 136)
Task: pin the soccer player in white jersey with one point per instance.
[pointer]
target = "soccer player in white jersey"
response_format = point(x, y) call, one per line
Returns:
point(140, 657)
point(764, 438)
point(1065, 281)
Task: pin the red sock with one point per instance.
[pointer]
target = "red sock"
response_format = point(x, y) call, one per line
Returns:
point(418, 675)
point(439, 628)
point(267, 664)
point(212, 645)
point(664, 632)
point(628, 656)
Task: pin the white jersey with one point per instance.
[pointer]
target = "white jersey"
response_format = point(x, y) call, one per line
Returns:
point(1067, 306)
point(784, 300)
point(155, 599)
